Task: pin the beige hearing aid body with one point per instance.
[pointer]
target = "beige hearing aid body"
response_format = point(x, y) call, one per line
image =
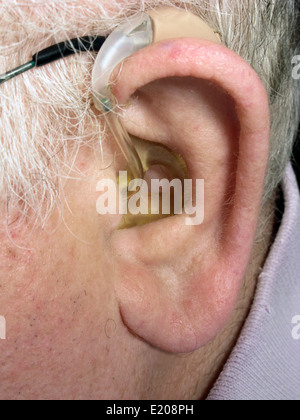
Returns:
point(171, 23)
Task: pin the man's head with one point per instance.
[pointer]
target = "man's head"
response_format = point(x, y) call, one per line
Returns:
point(95, 312)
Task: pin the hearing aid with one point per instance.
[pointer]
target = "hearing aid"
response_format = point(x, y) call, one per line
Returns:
point(148, 28)
point(157, 25)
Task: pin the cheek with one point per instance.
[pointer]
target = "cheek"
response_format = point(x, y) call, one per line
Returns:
point(61, 331)
point(64, 331)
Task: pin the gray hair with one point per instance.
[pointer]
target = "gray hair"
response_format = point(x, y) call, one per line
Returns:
point(46, 114)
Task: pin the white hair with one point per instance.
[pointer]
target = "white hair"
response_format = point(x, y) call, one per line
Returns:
point(46, 114)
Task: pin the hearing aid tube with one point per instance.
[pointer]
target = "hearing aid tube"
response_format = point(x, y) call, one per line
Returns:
point(122, 43)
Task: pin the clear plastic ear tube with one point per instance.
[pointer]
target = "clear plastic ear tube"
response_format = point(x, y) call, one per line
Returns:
point(123, 140)
point(126, 40)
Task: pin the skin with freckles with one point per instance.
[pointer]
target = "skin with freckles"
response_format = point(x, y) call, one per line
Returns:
point(153, 312)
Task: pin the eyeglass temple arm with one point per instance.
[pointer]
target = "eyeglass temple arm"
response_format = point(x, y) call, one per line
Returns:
point(56, 52)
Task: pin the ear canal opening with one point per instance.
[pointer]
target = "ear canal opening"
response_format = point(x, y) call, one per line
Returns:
point(161, 167)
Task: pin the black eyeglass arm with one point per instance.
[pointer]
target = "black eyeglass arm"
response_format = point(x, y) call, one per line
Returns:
point(56, 52)
point(65, 49)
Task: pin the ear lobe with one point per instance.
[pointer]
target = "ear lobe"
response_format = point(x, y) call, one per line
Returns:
point(177, 285)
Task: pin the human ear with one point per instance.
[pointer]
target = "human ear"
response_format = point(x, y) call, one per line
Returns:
point(177, 285)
